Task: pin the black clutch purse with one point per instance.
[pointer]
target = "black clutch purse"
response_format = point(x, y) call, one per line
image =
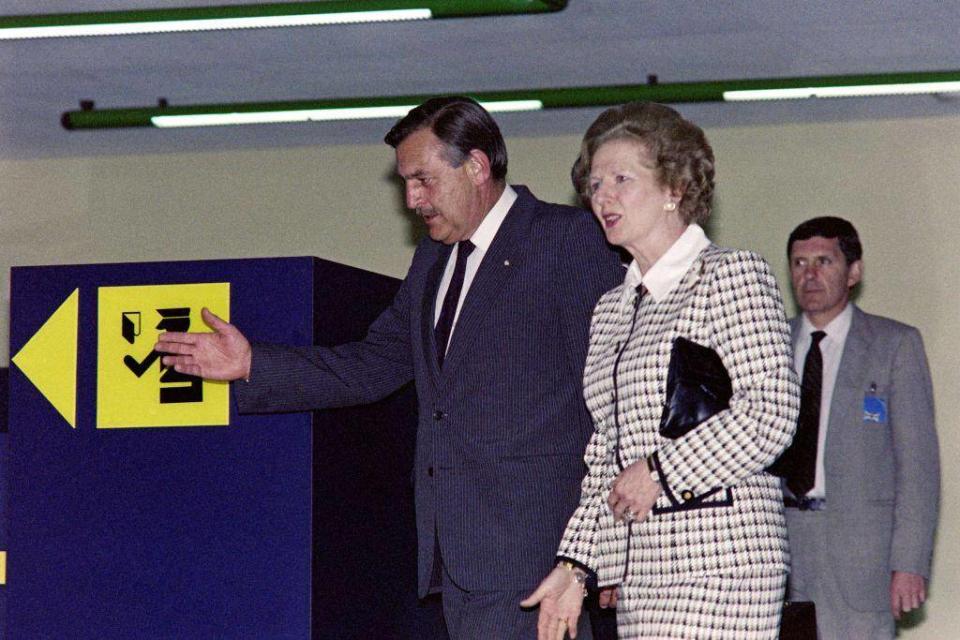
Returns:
point(799, 621)
point(698, 386)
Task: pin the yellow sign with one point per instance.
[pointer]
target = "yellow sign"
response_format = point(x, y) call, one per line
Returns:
point(133, 388)
point(49, 359)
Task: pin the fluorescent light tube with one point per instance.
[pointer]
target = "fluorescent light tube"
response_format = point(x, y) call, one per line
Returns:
point(212, 24)
point(269, 117)
point(502, 106)
point(853, 91)
point(318, 115)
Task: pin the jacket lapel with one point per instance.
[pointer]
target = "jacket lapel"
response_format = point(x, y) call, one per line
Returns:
point(795, 336)
point(431, 285)
point(499, 264)
point(847, 397)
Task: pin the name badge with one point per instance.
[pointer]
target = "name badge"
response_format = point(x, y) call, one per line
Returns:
point(874, 409)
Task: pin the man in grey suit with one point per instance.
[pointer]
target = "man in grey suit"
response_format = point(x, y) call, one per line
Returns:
point(862, 477)
point(491, 322)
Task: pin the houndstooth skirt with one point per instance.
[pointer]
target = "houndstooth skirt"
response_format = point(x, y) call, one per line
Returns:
point(703, 608)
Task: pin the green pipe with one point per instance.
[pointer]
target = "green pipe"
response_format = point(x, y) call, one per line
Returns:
point(439, 8)
point(679, 92)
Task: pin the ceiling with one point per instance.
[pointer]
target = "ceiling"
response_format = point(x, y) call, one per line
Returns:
point(592, 42)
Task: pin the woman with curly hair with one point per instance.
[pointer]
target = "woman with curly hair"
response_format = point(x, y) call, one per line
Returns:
point(682, 528)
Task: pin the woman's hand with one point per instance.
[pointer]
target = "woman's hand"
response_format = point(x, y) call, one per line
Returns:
point(634, 493)
point(608, 597)
point(560, 598)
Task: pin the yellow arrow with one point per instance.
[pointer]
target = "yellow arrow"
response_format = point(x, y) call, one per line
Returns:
point(49, 359)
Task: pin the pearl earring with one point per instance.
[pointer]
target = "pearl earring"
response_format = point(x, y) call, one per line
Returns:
point(670, 206)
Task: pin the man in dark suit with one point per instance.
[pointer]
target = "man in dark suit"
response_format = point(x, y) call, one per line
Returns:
point(491, 322)
point(862, 477)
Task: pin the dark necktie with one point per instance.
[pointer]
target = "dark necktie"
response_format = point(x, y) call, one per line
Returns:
point(445, 324)
point(802, 455)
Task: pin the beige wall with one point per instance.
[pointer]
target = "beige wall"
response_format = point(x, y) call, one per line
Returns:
point(896, 180)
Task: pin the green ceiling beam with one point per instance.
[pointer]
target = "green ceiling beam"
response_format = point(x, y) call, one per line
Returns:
point(12, 26)
point(680, 92)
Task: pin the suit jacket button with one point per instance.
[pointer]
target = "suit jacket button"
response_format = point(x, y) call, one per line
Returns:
point(430, 471)
point(687, 495)
point(439, 415)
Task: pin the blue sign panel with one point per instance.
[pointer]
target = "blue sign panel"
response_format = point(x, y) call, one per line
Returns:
point(140, 504)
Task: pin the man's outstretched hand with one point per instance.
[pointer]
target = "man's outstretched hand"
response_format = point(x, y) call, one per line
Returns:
point(224, 354)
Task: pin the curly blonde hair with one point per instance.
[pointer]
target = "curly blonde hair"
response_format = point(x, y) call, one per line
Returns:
point(679, 149)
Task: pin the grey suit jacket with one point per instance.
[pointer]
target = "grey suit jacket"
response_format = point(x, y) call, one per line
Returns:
point(881, 460)
point(503, 425)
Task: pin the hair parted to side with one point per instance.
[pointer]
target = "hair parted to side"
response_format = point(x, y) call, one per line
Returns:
point(679, 149)
point(829, 227)
point(460, 123)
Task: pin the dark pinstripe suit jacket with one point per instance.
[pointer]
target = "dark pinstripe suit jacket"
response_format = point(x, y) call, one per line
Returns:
point(503, 426)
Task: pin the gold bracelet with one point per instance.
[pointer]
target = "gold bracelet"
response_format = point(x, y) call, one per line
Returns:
point(652, 468)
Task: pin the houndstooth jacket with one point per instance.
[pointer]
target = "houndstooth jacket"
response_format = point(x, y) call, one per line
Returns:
point(719, 512)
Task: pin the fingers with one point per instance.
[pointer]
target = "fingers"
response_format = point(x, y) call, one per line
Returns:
point(213, 321)
point(905, 603)
point(560, 598)
point(619, 503)
point(173, 361)
point(899, 604)
point(173, 341)
point(908, 603)
point(182, 364)
point(546, 626)
point(608, 598)
point(616, 503)
point(604, 599)
point(907, 592)
point(534, 598)
point(612, 500)
point(620, 507)
point(551, 628)
point(895, 600)
point(177, 337)
point(190, 370)
point(177, 348)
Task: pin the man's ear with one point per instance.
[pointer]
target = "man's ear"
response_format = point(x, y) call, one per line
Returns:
point(855, 274)
point(478, 166)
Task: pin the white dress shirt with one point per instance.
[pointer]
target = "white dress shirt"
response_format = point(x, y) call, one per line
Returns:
point(482, 238)
point(667, 272)
point(831, 347)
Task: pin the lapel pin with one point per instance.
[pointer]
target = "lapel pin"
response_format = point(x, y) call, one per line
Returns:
point(506, 263)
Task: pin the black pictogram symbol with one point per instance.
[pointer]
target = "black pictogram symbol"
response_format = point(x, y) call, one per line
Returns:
point(174, 391)
point(130, 325)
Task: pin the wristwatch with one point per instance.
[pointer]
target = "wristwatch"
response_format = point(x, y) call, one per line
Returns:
point(579, 575)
